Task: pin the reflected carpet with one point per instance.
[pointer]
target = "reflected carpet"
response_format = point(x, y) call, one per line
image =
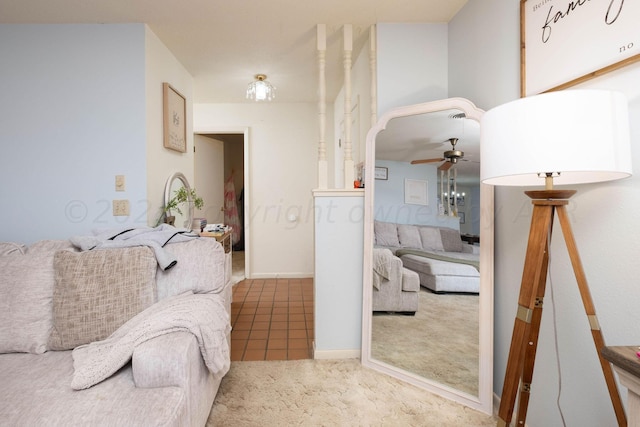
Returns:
point(440, 342)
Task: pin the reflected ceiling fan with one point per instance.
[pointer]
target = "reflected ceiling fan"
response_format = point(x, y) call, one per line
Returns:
point(450, 157)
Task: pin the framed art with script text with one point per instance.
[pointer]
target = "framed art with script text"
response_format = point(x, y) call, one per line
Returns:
point(174, 119)
point(565, 42)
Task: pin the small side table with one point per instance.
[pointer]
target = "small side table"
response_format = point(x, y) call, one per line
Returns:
point(470, 238)
point(626, 363)
point(224, 238)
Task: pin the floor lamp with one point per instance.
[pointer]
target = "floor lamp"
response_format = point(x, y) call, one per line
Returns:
point(559, 138)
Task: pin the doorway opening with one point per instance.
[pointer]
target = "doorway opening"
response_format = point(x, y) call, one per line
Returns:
point(221, 178)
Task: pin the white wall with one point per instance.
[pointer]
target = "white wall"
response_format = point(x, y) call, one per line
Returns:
point(282, 167)
point(412, 63)
point(162, 66)
point(339, 234)
point(484, 67)
point(72, 117)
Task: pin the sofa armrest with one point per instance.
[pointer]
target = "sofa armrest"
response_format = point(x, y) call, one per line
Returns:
point(396, 269)
point(470, 249)
point(174, 360)
point(166, 360)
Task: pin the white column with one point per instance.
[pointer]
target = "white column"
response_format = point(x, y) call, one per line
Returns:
point(323, 174)
point(455, 191)
point(349, 173)
point(373, 70)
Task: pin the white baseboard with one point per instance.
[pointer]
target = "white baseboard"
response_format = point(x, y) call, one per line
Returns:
point(336, 354)
point(496, 407)
point(280, 276)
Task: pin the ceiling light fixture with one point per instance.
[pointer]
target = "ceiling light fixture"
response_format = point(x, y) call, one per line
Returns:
point(261, 89)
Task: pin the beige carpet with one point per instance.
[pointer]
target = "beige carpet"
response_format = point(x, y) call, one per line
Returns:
point(329, 393)
point(440, 342)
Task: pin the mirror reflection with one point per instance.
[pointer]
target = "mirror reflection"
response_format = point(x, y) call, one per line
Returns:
point(183, 212)
point(425, 293)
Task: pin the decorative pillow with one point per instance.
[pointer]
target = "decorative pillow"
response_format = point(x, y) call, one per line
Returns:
point(200, 268)
point(451, 240)
point(431, 240)
point(51, 247)
point(386, 233)
point(8, 248)
point(409, 236)
point(26, 286)
point(97, 291)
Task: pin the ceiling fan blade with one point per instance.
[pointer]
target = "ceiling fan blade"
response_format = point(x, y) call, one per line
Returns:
point(416, 162)
point(445, 166)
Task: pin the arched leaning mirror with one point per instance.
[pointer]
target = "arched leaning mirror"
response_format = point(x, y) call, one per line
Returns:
point(182, 211)
point(428, 256)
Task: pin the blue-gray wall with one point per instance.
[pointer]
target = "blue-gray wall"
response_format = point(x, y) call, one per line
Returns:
point(72, 117)
point(484, 65)
point(390, 205)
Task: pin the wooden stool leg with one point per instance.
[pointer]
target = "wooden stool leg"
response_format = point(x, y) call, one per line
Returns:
point(589, 308)
point(531, 278)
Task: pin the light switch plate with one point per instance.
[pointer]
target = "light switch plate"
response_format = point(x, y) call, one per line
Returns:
point(119, 182)
point(121, 208)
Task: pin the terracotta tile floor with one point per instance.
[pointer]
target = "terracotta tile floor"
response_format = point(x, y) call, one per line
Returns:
point(272, 319)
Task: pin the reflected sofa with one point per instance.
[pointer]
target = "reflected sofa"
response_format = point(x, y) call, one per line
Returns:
point(395, 288)
point(443, 262)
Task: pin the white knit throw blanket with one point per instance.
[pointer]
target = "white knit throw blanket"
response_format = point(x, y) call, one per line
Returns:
point(203, 315)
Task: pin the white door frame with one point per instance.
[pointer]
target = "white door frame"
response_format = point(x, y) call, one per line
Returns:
point(207, 130)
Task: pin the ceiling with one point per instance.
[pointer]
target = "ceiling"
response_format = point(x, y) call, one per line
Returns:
point(426, 136)
point(223, 44)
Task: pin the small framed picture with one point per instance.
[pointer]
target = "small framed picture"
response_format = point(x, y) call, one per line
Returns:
point(174, 119)
point(461, 216)
point(415, 192)
point(381, 173)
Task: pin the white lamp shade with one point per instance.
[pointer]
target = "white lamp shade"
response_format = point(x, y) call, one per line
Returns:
point(581, 134)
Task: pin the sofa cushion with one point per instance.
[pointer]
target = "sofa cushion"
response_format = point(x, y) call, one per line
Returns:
point(386, 233)
point(409, 237)
point(436, 267)
point(451, 240)
point(26, 286)
point(51, 247)
point(199, 268)
point(410, 281)
point(97, 291)
point(36, 392)
point(430, 239)
point(8, 248)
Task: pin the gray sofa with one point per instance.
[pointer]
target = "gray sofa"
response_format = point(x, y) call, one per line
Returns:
point(443, 262)
point(55, 297)
point(395, 288)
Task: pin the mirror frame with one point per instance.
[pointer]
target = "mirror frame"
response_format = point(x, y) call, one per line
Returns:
point(167, 195)
point(484, 401)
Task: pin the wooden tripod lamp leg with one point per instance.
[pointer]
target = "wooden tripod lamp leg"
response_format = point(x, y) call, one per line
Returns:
point(589, 308)
point(532, 341)
point(526, 327)
point(532, 277)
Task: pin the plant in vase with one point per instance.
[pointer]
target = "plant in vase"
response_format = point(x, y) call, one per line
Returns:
point(180, 196)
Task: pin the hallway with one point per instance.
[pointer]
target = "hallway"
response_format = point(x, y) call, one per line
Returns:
point(272, 319)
